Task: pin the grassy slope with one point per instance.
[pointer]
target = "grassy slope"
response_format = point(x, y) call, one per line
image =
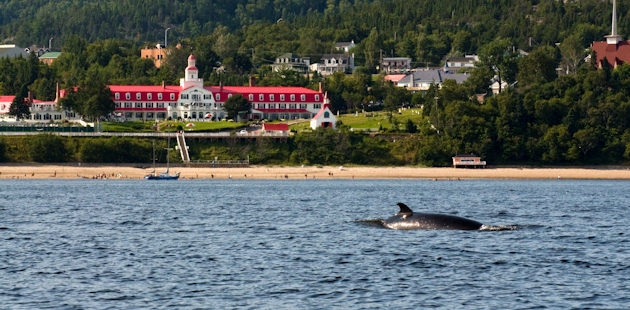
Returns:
point(372, 119)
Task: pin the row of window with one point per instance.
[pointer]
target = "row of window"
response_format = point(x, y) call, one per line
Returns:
point(197, 97)
point(279, 106)
point(261, 97)
point(139, 96)
point(161, 104)
point(149, 115)
point(46, 116)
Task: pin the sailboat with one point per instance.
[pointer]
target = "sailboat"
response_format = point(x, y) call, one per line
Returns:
point(163, 175)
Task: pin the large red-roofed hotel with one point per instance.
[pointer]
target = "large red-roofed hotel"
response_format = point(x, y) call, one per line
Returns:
point(191, 100)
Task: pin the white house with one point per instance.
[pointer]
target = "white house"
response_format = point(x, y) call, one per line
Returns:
point(325, 117)
point(344, 46)
point(456, 63)
point(41, 111)
point(292, 62)
point(331, 63)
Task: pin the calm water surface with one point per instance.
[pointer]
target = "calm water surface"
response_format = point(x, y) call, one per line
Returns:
point(301, 244)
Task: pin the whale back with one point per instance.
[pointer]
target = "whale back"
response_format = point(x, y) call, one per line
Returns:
point(407, 219)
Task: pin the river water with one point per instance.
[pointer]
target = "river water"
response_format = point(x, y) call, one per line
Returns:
point(305, 244)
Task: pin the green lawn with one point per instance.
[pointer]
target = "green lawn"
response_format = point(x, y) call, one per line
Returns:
point(372, 119)
point(136, 126)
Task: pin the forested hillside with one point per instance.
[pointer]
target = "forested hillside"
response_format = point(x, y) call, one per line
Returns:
point(424, 30)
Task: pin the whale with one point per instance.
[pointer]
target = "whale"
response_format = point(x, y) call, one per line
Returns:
point(406, 219)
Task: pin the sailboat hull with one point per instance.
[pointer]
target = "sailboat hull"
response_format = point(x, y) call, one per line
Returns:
point(161, 177)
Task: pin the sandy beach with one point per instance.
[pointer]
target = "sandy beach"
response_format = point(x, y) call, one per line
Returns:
point(38, 171)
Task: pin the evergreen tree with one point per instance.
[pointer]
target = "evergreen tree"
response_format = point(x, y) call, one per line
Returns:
point(19, 105)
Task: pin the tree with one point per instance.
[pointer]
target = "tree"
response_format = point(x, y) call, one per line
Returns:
point(538, 67)
point(573, 54)
point(410, 126)
point(499, 57)
point(92, 98)
point(19, 105)
point(237, 105)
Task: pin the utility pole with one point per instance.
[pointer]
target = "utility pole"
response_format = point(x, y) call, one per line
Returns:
point(438, 113)
point(166, 37)
point(380, 60)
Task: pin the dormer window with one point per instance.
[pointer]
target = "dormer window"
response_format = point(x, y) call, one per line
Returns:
point(282, 97)
point(117, 95)
point(261, 97)
point(292, 97)
point(229, 96)
point(159, 96)
point(172, 96)
point(271, 97)
point(149, 96)
point(303, 97)
point(218, 96)
point(127, 96)
point(251, 97)
point(316, 97)
point(138, 96)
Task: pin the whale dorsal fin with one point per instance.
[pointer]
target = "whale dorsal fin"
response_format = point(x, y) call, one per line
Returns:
point(404, 209)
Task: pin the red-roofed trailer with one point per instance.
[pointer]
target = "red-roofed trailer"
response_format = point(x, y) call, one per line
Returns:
point(275, 129)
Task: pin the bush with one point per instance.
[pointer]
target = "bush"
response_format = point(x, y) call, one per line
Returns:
point(47, 148)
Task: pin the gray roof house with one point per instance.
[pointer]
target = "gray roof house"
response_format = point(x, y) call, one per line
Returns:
point(422, 80)
point(396, 64)
point(12, 51)
point(456, 63)
point(292, 62)
point(345, 46)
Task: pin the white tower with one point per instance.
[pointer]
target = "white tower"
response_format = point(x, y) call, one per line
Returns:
point(614, 38)
point(191, 78)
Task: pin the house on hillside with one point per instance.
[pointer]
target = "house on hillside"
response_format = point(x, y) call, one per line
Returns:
point(292, 62)
point(12, 51)
point(49, 58)
point(452, 64)
point(394, 78)
point(157, 54)
point(423, 79)
point(396, 64)
point(344, 47)
point(331, 63)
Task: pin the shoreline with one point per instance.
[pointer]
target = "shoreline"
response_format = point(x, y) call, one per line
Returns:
point(96, 171)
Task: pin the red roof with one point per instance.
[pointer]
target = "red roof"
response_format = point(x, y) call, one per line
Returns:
point(394, 77)
point(192, 68)
point(191, 57)
point(6, 98)
point(616, 54)
point(143, 88)
point(276, 127)
point(322, 110)
point(270, 90)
